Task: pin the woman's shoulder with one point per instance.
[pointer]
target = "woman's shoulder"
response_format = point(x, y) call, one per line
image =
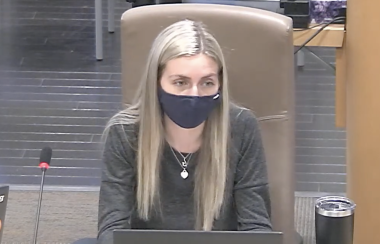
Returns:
point(123, 125)
point(121, 130)
point(124, 135)
point(242, 118)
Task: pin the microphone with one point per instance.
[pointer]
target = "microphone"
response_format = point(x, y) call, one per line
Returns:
point(45, 158)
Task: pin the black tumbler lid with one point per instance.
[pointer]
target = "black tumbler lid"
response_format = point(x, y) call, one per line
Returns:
point(334, 206)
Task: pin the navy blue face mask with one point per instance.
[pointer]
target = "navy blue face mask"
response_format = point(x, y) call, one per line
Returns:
point(187, 111)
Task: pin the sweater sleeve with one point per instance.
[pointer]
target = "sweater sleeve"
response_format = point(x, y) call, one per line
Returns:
point(251, 191)
point(116, 197)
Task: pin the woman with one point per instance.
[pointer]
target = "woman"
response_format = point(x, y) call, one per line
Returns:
point(182, 156)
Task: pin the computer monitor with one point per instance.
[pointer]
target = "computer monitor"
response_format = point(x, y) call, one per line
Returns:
point(123, 236)
point(4, 191)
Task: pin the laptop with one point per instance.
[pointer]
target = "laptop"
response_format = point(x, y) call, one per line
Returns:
point(4, 190)
point(124, 236)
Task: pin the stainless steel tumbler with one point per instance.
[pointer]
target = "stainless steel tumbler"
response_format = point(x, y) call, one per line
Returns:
point(334, 220)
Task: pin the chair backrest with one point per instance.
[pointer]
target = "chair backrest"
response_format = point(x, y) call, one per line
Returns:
point(258, 47)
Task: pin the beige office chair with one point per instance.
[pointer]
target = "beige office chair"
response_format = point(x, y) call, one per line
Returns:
point(258, 46)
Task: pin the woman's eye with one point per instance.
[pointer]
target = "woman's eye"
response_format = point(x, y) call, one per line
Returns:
point(208, 83)
point(179, 82)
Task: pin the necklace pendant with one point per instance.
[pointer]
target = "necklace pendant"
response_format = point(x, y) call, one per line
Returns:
point(184, 174)
point(184, 164)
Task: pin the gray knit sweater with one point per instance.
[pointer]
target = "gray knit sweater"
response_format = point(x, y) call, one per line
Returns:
point(247, 207)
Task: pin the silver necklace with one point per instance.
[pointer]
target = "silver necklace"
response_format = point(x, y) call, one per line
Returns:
point(183, 164)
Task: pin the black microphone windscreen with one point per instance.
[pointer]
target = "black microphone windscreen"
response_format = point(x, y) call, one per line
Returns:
point(45, 155)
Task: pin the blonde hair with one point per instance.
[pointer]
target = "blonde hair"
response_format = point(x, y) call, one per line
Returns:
point(183, 38)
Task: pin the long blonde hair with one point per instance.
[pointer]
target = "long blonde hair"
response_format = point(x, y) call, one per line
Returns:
point(183, 38)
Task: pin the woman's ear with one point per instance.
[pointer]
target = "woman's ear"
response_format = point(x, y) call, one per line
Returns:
point(160, 72)
point(220, 75)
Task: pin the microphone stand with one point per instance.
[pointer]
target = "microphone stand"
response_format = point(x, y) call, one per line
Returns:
point(39, 205)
